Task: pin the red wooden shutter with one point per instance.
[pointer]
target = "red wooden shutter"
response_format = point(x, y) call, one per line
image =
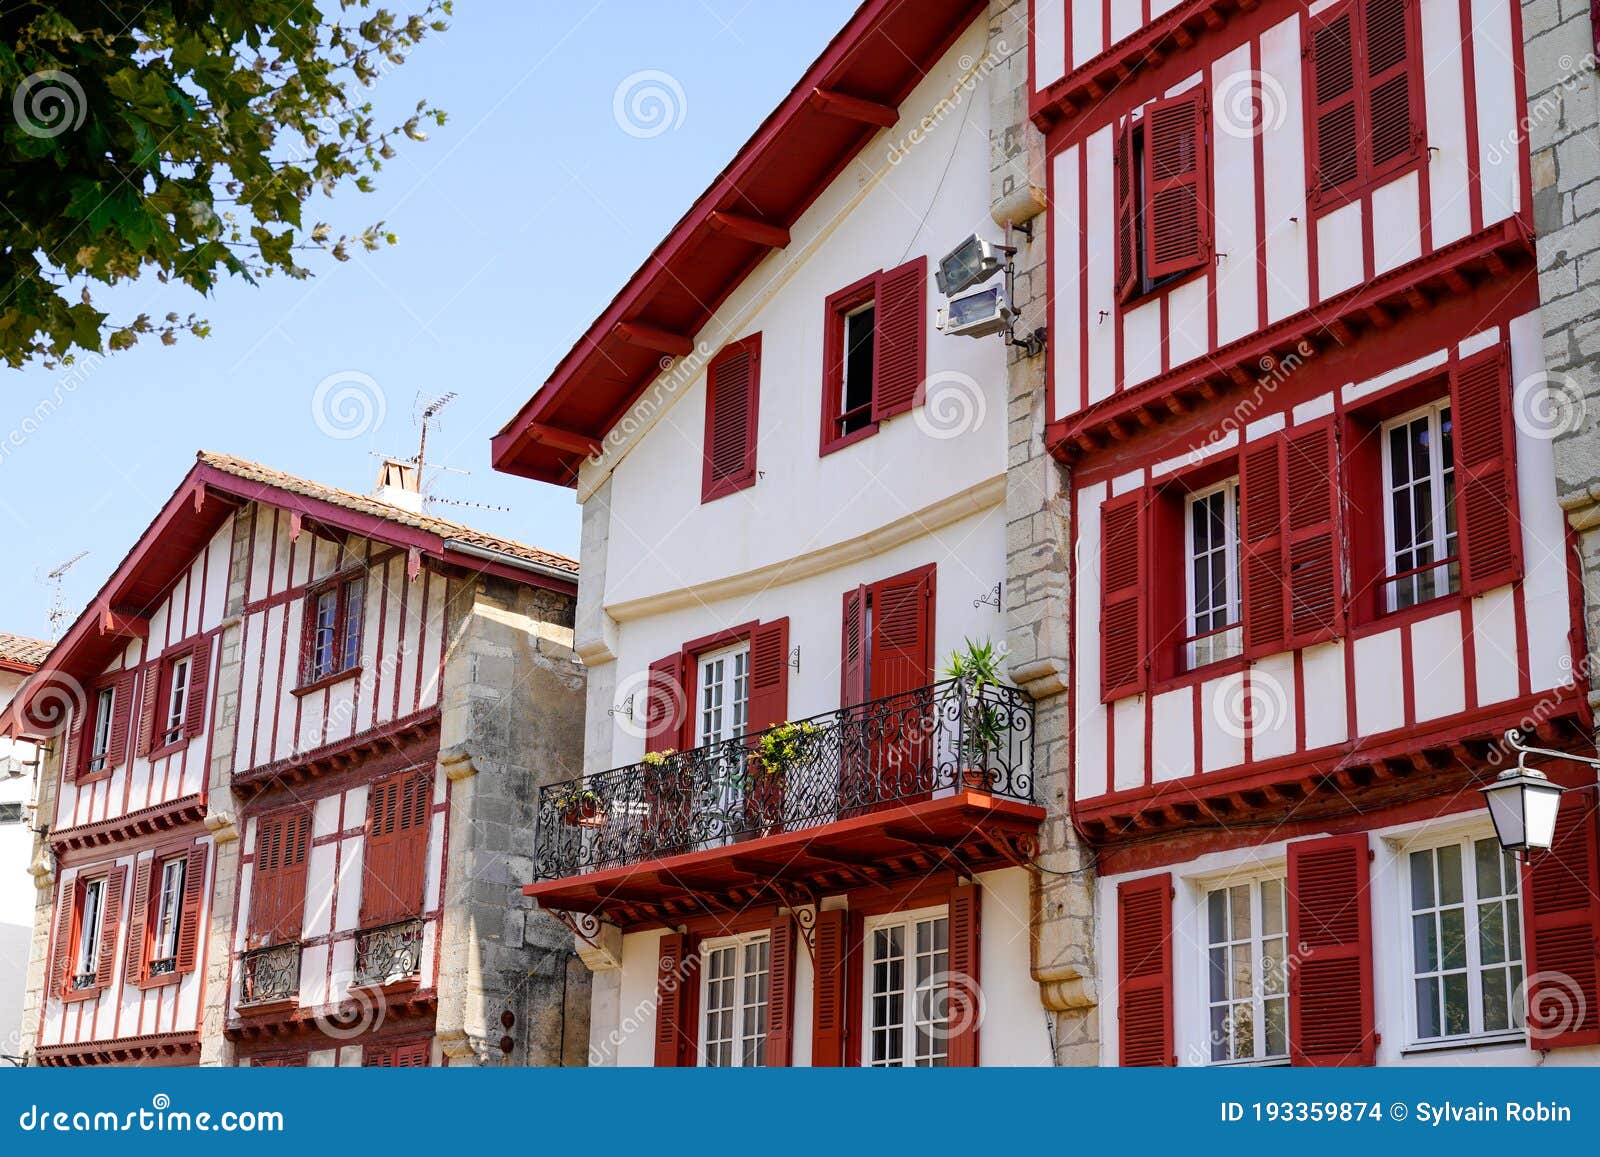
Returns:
point(769, 675)
point(1144, 971)
point(1128, 279)
point(902, 633)
point(110, 926)
point(732, 401)
point(61, 962)
point(1124, 655)
point(665, 705)
point(853, 651)
point(397, 849)
point(1330, 943)
point(1177, 210)
point(75, 741)
point(830, 1000)
point(194, 891)
point(121, 719)
point(401, 1055)
point(1391, 110)
point(780, 994)
point(964, 1003)
point(1316, 592)
point(1561, 919)
point(900, 344)
point(194, 719)
point(278, 888)
point(1486, 472)
point(139, 920)
point(147, 708)
point(1262, 517)
point(1332, 74)
point(674, 1028)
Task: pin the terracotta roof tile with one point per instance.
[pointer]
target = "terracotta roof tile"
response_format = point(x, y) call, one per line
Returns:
point(22, 651)
point(366, 504)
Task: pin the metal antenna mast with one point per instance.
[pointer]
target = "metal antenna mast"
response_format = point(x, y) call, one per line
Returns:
point(58, 605)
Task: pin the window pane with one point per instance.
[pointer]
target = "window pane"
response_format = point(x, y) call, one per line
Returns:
point(1496, 1004)
point(1453, 937)
point(1425, 944)
point(1455, 1004)
point(1277, 1027)
point(1428, 1007)
point(1486, 857)
point(1219, 974)
point(1491, 933)
point(1272, 908)
point(1450, 874)
point(1421, 880)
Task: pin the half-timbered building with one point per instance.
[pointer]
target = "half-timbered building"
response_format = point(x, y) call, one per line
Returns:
point(283, 798)
point(1319, 569)
point(797, 841)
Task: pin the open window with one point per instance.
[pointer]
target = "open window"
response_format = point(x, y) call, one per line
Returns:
point(874, 352)
point(335, 614)
point(101, 744)
point(1163, 176)
point(164, 928)
point(88, 918)
point(173, 710)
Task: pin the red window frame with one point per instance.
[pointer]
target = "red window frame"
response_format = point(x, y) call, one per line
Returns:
point(161, 722)
point(1365, 175)
point(155, 713)
point(899, 353)
point(121, 688)
point(839, 305)
point(401, 1054)
point(732, 421)
point(1145, 174)
point(70, 932)
point(345, 657)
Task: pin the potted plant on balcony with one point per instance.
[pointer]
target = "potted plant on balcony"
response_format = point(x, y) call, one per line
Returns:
point(779, 748)
point(976, 668)
point(580, 807)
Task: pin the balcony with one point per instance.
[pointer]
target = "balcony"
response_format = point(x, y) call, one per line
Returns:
point(269, 976)
point(939, 776)
point(388, 955)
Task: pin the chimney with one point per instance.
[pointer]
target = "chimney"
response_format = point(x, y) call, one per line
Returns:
point(399, 484)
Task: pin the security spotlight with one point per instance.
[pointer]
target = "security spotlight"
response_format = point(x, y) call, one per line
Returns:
point(973, 261)
point(977, 313)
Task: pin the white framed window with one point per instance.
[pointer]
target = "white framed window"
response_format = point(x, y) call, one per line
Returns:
point(1465, 940)
point(169, 914)
point(177, 701)
point(724, 699)
point(1419, 512)
point(908, 964)
point(734, 997)
point(1211, 530)
point(100, 740)
point(1247, 990)
point(87, 961)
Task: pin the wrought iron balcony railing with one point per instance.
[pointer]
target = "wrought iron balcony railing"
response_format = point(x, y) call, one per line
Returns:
point(904, 748)
point(389, 954)
point(269, 975)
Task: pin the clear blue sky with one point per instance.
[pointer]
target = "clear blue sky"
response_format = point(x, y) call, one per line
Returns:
point(517, 221)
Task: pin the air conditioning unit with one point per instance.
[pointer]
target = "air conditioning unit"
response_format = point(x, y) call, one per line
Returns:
point(977, 313)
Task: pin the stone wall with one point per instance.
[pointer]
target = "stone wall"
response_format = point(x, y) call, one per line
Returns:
point(1563, 130)
point(1038, 563)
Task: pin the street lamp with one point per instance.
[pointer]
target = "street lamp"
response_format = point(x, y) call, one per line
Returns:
point(1523, 802)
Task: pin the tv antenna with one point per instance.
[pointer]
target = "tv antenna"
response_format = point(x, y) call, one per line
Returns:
point(430, 412)
point(58, 603)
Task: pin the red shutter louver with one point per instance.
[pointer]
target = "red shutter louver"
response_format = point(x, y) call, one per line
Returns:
point(732, 402)
point(139, 920)
point(853, 650)
point(61, 961)
point(769, 675)
point(675, 1042)
point(780, 994)
point(194, 892)
point(1331, 1019)
point(667, 788)
point(1561, 921)
point(1316, 592)
point(900, 346)
point(278, 888)
point(964, 1003)
point(1390, 101)
point(901, 645)
point(110, 926)
point(665, 705)
point(1124, 658)
point(1144, 971)
point(1177, 210)
point(1262, 517)
point(121, 719)
point(147, 708)
point(397, 849)
point(1332, 74)
point(830, 1003)
point(194, 718)
point(1486, 472)
point(1127, 272)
